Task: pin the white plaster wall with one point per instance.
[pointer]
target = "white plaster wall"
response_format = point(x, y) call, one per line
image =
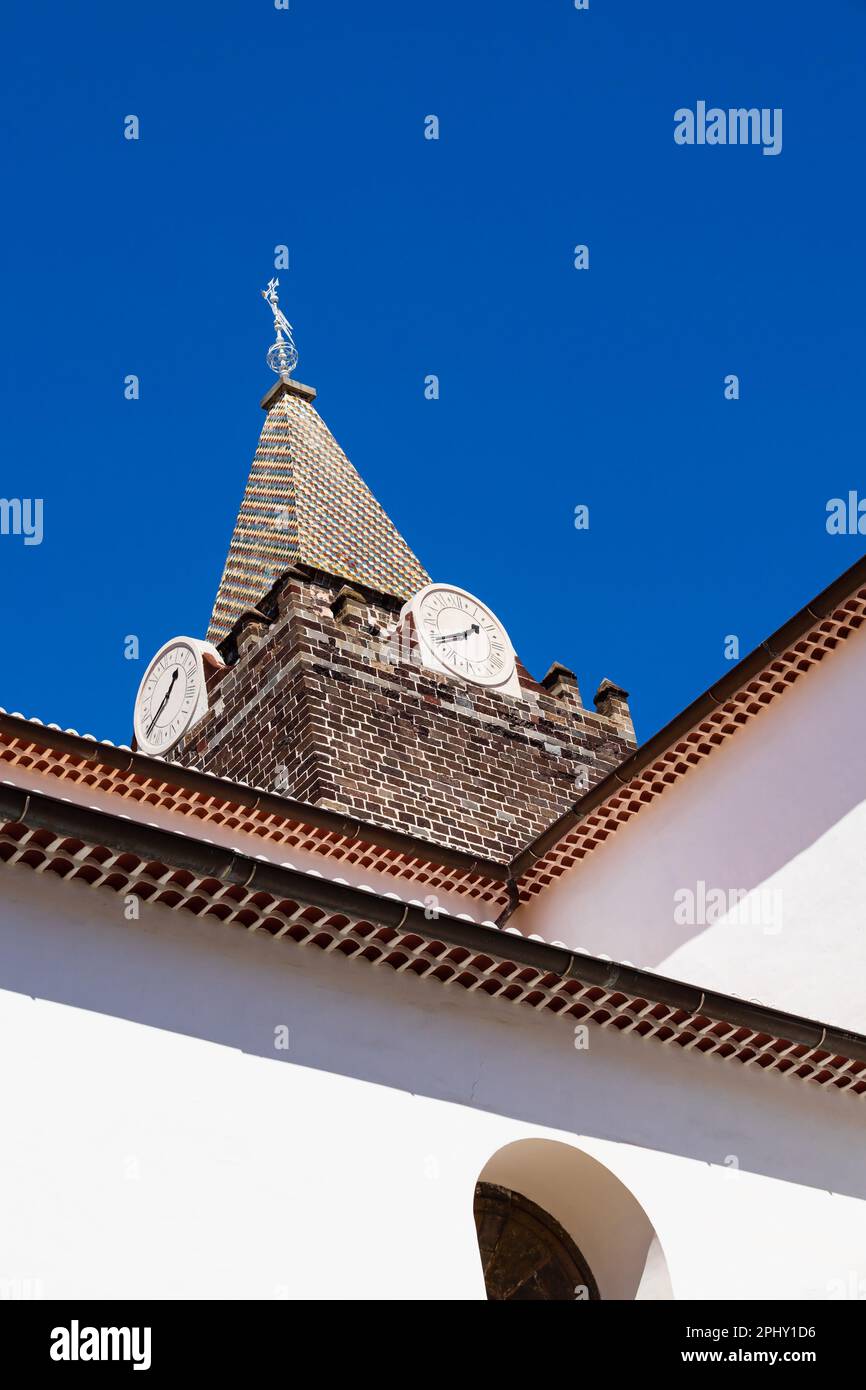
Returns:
point(779, 808)
point(156, 1145)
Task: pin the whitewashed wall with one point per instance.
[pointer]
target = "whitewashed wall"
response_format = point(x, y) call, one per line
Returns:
point(779, 811)
point(155, 1143)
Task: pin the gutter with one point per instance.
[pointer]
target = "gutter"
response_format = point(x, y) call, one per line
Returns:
point(175, 774)
point(774, 647)
point(37, 811)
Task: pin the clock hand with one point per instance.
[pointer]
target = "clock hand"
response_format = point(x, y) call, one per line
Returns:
point(164, 700)
point(452, 636)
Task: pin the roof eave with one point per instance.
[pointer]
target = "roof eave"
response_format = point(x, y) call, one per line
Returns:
point(757, 661)
point(770, 1034)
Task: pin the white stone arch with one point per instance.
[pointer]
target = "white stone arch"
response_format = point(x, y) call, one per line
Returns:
point(603, 1218)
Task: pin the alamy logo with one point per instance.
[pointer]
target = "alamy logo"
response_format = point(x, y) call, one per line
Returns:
point(22, 516)
point(77, 1343)
point(702, 906)
point(736, 126)
point(846, 516)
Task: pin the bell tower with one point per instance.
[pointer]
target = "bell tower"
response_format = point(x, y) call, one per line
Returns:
point(323, 698)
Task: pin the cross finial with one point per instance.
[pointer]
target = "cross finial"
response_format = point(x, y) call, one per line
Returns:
point(282, 356)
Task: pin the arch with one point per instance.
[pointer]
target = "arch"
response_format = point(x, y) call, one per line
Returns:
point(604, 1228)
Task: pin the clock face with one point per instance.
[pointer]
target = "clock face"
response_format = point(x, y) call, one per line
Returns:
point(169, 697)
point(463, 636)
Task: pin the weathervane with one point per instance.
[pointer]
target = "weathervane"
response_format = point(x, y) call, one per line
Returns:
point(282, 355)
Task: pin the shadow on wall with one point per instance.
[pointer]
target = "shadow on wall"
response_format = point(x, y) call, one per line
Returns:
point(597, 1212)
point(65, 942)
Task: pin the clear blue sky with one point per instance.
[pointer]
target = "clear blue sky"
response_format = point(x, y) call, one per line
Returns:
point(409, 257)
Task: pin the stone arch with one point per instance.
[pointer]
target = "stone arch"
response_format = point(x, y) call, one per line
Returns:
point(593, 1223)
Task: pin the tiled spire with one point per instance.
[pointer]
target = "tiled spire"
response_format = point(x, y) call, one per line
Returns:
point(305, 502)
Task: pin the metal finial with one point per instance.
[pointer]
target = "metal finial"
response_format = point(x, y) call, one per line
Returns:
point(282, 355)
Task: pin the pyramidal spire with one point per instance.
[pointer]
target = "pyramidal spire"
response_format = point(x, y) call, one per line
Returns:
point(304, 502)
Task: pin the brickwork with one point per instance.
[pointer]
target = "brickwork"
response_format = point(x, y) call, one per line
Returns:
point(322, 704)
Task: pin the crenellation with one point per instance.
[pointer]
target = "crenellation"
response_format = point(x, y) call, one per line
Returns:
point(316, 707)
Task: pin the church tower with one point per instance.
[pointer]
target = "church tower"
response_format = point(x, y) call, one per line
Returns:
point(350, 681)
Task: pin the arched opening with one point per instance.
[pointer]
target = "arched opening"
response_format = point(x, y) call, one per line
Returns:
point(554, 1223)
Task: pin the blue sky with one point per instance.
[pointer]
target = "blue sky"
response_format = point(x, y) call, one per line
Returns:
point(559, 387)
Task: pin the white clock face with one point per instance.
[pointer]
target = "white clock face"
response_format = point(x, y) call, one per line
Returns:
point(463, 635)
point(169, 697)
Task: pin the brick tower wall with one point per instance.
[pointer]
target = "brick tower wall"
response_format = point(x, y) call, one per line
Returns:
point(321, 705)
